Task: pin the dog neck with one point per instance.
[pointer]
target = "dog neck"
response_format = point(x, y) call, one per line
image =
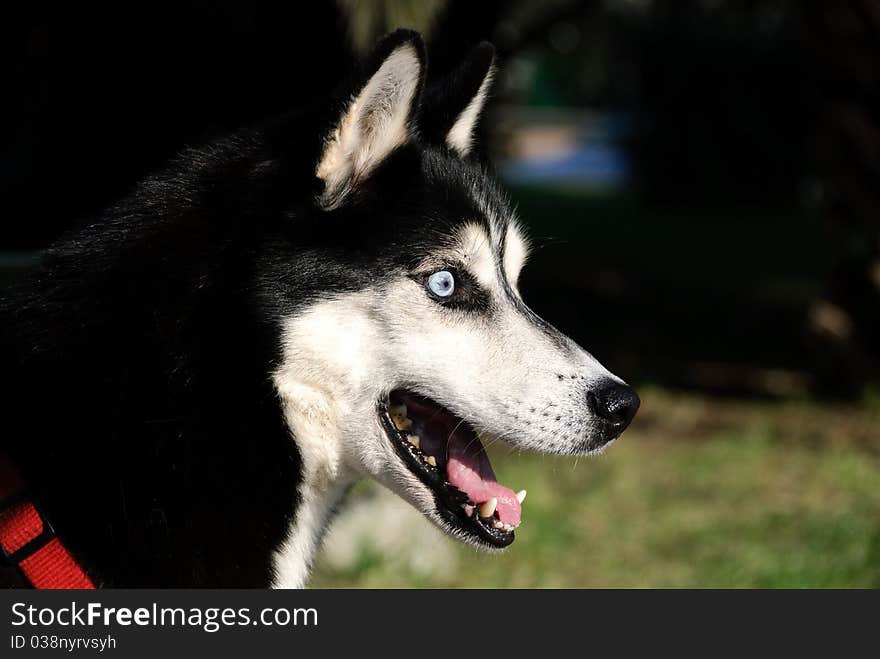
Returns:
point(325, 478)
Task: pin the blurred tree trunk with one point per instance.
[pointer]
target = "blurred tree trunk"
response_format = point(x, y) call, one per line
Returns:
point(845, 324)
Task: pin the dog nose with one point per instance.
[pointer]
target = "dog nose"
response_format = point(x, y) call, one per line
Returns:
point(616, 403)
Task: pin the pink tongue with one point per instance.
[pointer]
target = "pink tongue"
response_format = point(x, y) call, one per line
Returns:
point(468, 468)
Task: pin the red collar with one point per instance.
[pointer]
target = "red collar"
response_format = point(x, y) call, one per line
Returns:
point(28, 541)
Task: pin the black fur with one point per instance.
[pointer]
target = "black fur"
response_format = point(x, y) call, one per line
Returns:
point(136, 358)
point(447, 99)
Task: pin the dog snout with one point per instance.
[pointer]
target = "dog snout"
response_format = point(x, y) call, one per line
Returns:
point(616, 404)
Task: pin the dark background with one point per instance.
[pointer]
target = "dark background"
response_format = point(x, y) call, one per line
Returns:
point(735, 251)
point(701, 182)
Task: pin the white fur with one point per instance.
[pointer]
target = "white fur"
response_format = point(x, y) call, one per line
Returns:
point(313, 400)
point(516, 253)
point(342, 355)
point(460, 137)
point(373, 125)
point(475, 251)
point(324, 478)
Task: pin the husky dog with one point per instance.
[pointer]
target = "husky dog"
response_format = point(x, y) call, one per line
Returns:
point(194, 380)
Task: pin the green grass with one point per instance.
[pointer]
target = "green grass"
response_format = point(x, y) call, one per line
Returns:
point(699, 493)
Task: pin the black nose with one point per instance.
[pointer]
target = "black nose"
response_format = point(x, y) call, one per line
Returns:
point(616, 403)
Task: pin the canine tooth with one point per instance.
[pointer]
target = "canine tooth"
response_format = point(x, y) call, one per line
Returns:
point(431, 460)
point(413, 439)
point(402, 423)
point(497, 524)
point(487, 508)
point(521, 496)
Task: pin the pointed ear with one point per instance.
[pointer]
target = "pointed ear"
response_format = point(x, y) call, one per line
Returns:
point(453, 107)
point(377, 117)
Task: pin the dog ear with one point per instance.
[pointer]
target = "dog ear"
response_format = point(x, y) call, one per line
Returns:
point(453, 107)
point(377, 117)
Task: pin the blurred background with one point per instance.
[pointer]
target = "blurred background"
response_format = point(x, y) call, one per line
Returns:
point(701, 179)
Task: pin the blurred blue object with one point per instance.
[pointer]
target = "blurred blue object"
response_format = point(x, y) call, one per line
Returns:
point(582, 151)
point(590, 165)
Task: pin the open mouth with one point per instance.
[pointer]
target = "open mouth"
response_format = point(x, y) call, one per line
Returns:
point(446, 454)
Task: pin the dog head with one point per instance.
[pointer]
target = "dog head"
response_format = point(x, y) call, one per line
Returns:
point(420, 345)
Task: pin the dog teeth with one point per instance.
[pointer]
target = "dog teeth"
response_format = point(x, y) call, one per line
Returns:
point(398, 416)
point(402, 423)
point(414, 440)
point(487, 508)
point(431, 460)
point(506, 527)
point(497, 524)
point(520, 496)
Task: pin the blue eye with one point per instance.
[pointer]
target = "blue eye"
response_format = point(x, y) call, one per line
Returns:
point(441, 283)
